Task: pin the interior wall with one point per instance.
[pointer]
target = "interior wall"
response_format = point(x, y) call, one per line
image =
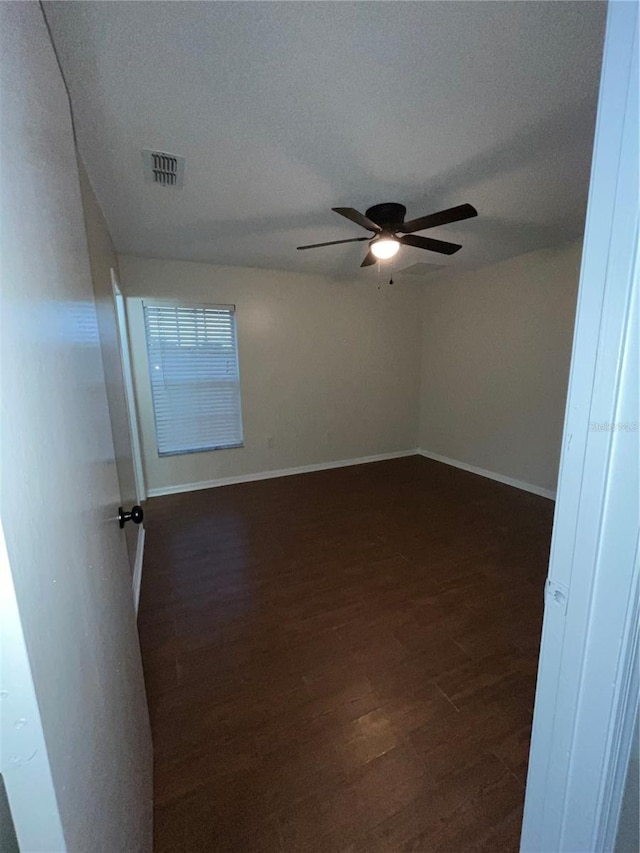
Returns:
point(8, 840)
point(102, 258)
point(329, 370)
point(628, 837)
point(59, 492)
point(496, 349)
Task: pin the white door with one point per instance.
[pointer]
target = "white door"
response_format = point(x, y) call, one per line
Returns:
point(66, 553)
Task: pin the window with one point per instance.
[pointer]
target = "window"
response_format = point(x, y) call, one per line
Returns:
point(195, 383)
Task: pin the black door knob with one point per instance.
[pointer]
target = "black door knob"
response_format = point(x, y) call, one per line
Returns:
point(136, 515)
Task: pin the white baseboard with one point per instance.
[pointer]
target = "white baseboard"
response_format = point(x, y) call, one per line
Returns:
point(491, 475)
point(268, 475)
point(137, 567)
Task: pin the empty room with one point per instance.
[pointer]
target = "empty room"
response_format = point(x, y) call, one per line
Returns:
point(319, 399)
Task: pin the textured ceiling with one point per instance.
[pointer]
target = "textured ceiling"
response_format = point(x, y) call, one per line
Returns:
point(285, 109)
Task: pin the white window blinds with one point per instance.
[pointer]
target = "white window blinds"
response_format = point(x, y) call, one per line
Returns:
point(195, 383)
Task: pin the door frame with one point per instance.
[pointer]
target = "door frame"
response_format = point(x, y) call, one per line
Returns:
point(127, 375)
point(587, 692)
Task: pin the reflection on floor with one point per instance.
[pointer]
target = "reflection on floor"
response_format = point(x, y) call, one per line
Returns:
point(343, 661)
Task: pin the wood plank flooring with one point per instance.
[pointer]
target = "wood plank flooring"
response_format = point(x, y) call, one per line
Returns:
point(344, 661)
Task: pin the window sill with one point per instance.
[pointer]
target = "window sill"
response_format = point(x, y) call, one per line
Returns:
point(199, 450)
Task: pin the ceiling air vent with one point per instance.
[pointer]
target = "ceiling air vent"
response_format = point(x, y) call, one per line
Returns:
point(162, 168)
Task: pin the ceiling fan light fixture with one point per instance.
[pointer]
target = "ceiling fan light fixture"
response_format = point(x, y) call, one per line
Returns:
point(385, 248)
point(385, 220)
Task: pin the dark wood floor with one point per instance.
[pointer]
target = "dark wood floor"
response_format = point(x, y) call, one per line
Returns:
point(343, 661)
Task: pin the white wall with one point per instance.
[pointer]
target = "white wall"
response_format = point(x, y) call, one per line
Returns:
point(471, 367)
point(102, 257)
point(329, 369)
point(59, 493)
point(496, 347)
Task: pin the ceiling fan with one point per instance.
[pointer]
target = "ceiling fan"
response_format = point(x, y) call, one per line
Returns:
point(386, 221)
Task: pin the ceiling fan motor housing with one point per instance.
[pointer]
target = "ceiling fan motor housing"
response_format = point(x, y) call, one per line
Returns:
point(388, 215)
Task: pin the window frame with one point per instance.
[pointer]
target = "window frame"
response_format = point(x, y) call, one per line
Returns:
point(188, 304)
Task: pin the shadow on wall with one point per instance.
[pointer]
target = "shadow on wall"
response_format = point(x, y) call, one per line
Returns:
point(628, 839)
point(8, 840)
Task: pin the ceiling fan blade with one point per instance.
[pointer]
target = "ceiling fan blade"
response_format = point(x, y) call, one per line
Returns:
point(335, 243)
point(443, 217)
point(370, 258)
point(358, 218)
point(430, 244)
